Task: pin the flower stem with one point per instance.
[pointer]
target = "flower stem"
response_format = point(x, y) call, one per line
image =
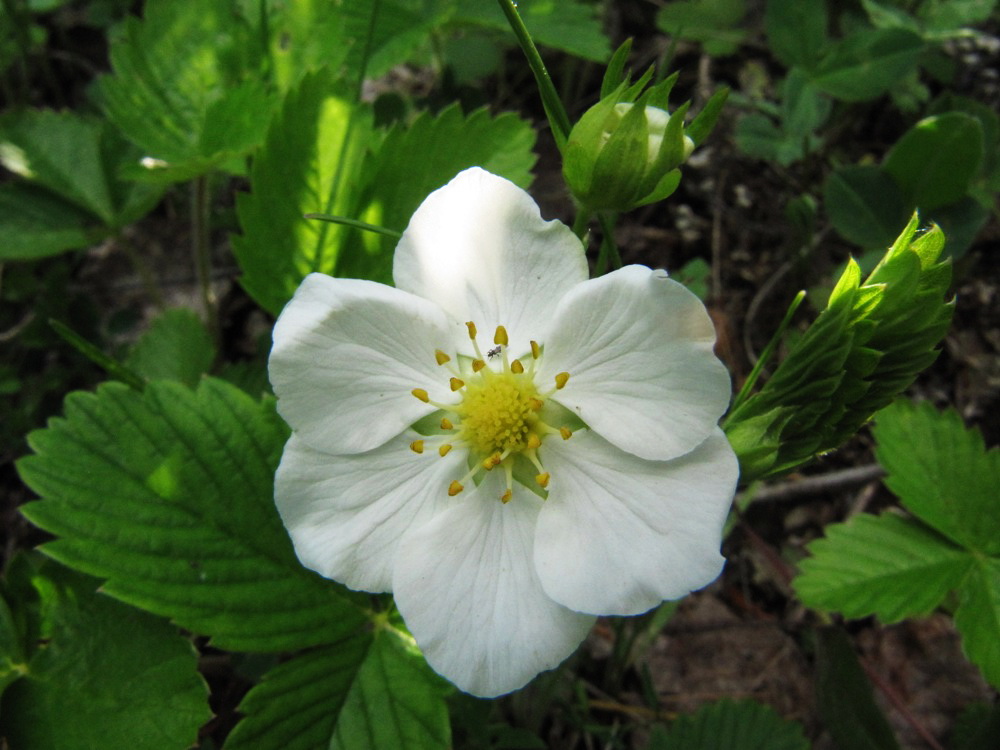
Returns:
point(609, 251)
point(554, 109)
point(766, 354)
point(200, 212)
point(581, 223)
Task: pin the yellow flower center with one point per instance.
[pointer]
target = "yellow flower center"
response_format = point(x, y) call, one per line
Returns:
point(497, 413)
point(498, 419)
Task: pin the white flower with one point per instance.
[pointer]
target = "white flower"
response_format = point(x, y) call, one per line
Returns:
point(505, 486)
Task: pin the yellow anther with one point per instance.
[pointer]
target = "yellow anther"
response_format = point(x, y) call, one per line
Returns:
point(472, 330)
point(500, 337)
point(446, 424)
point(456, 383)
point(421, 394)
point(535, 404)
point(477, 365)
point(505, 497)
point(454, 488)
point(534, 442)
point(516, 367)
point(443, 450)
point(417, 446)
point(490, 462)
point(542, 479)
point(566, 433)
point(441, 357)
point(536, 350)
point(561, 379)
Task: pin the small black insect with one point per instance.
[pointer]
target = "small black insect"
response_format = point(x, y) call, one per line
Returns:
point(494, 352)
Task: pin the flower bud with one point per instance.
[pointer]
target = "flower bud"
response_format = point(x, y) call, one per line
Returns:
point(622, 155)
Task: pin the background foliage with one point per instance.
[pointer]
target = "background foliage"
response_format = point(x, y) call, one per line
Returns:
point(157, 161)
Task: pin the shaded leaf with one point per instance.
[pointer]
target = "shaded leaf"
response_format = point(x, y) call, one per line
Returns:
point(844, 696)
point(168, 495)
point(867, 63)
point(177, 346)
point(935, 160)
point(864, 204)
point(731, 725)
point(796, 30)
point(568, 25)
point(978, 617)
point(35, 224)
point(714, 23)
point(103, 675)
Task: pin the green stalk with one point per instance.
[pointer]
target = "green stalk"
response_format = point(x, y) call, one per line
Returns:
point(113, 367)
point(357, 224)
point(766, 355)
point(200, 215)
point(554, 109)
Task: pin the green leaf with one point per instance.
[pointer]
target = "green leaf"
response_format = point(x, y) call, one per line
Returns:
point(944, 16)
point(731, 725)
point(177, 346)
point(935, 160)
point(312, 161)
point(168, 495)
point(978, 617)
point(76, 158)
point(941, 473)
point(844, 696)
point(883, 565)
point(103, 675)
point(568, 25)
point(867, 63)
point(864, 204)
point(714, 23)
point(186, 88)
point(796, 30)
point(35, 224)
point(401, 26)
point(416, 160)
point(361, 694)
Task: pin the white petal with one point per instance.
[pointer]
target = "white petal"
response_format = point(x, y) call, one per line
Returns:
point(618, 534)
point(346, 514)
point(638, 347)
point(466, 586)
point(346, 356)
point(479, 248)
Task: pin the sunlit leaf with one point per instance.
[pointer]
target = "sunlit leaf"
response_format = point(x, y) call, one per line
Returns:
point(311, 162)
point(186, 88)
point(864, 204)
point(883, 565)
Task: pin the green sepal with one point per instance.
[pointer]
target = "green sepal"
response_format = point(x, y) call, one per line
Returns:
point(865, 348)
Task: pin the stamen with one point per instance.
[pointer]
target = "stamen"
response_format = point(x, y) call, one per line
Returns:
point(477, 365)
point(536, 350)
point(472, 330)
point(444, 449)
point(417, 446)
point(441, 357)
point(500, 337)
point(446, 424)
point(505, 497)
point(566, 433)
point(456, 383)
point(534, 442)
point(516, 367)
point(421, 394)
point(542, 479)
point(561, 379)
point(535, 404)
point(454, 488)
